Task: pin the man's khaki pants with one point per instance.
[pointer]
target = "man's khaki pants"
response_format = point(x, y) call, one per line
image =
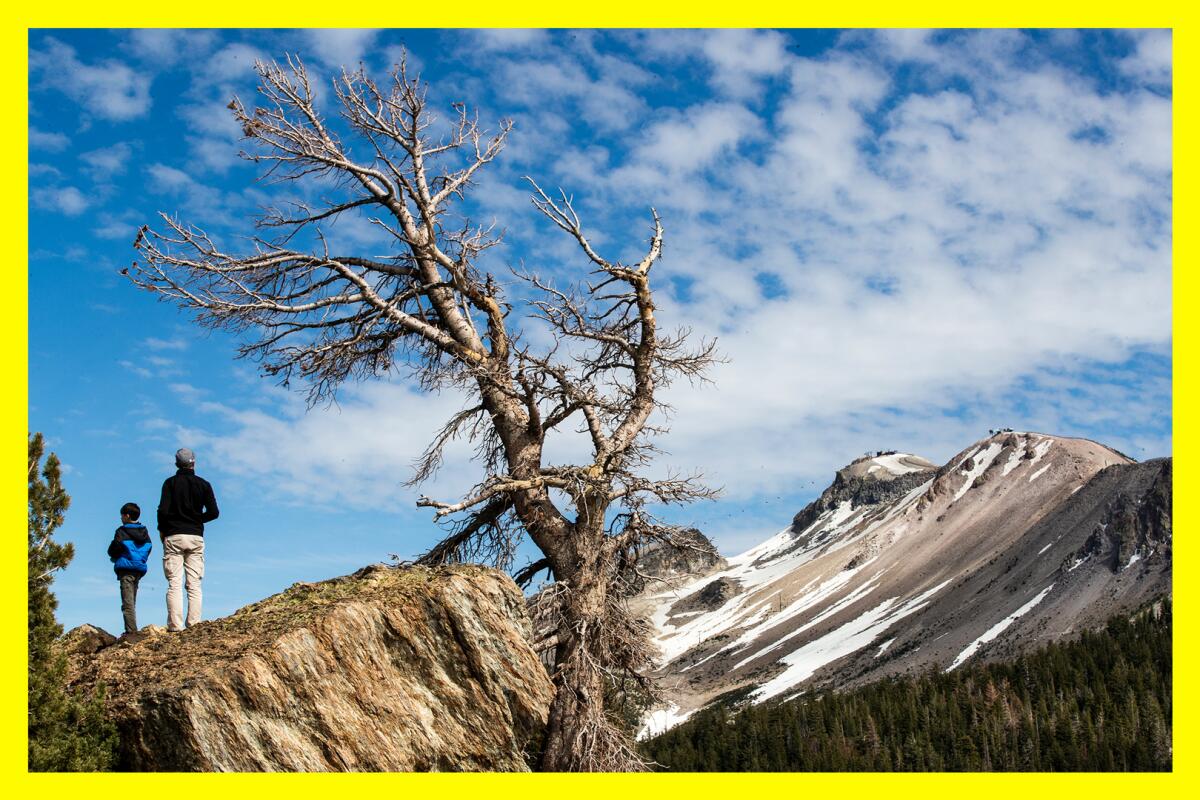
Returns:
point(183, 557)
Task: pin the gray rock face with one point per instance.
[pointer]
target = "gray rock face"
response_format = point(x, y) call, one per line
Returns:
point(696, 556)
point(712, 596)
point(860, 490)
point(700, 556)
point(385, 670)
point(1136, 523)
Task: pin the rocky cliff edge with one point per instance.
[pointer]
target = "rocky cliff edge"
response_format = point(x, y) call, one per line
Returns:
point(388, 669)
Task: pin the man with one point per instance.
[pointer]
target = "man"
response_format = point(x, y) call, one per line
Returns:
point(187, 503)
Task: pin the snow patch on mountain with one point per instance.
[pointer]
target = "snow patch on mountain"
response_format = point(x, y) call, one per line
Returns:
point(805, 601)
point(998, 628)
point(1014, 460)
point(858, 633)
point(662, 719)
point(1040, 449)
point(898, 464)
point(1038, 474)
point(979, 463)
point(853, 597)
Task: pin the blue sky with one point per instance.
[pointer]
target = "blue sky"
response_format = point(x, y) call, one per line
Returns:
point(900, 239)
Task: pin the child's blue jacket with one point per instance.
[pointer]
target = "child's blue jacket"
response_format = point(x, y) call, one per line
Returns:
point(130, 548)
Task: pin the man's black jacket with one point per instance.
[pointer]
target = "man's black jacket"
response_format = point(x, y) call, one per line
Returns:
point(187, 503)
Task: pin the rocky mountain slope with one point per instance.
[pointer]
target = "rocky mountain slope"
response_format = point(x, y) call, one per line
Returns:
point(387, 669)
point(900, 566)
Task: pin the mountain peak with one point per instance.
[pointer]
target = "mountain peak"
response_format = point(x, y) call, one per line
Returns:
point(885, 465)
point(875, 478)
point(1024, 454)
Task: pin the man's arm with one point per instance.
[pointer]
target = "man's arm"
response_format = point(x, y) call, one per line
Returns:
point(211, 511)
point(164, 503)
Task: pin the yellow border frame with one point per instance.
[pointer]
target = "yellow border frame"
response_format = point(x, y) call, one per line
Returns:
point(614, 13)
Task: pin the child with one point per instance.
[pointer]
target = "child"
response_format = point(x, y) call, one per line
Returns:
point(129, 550)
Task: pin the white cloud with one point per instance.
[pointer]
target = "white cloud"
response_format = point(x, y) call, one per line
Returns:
point(359, 451)
point(1151, 59)
point(155, 343)
point(203, 202)
point(187, 392)
point(693, 140)
point(736, 62)
point(140, 371)
point(168, 179)
point(740, 58)
point(47, 140)
point(341, 47)
point(165, 47)
point(214, 134)
point(107, 162)
point(561, 83)
point(1006, 245)
point(508, 39)
point(117, 226)
point(37, 170)
point(907, 44)
point(66, 200)
point(109, 89)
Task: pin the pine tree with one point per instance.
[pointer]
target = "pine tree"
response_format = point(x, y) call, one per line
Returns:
point(67, 733)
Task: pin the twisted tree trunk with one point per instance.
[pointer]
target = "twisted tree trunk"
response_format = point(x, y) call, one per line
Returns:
point(580, 736)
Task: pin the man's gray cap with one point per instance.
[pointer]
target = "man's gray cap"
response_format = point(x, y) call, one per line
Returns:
point(185, 458)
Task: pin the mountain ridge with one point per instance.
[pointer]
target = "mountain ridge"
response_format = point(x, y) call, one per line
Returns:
point(896, 569)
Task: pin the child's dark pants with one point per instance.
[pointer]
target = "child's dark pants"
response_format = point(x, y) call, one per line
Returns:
point(129, 584)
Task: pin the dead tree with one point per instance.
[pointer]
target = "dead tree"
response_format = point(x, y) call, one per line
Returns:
point(327, 317)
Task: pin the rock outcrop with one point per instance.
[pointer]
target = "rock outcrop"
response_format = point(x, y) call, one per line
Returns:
point(866, 482)
point(1136, 524)
point(710, 597)
point(387, 669)
point(86, 640)
point(692, 555)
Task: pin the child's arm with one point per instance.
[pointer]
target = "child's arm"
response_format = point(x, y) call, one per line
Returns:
point(114, 547)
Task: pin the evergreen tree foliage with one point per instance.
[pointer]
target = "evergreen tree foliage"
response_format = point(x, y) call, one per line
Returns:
point(1099, 703)
point(67, 733)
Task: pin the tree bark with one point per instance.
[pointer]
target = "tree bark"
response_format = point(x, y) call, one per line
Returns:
point(578, 733)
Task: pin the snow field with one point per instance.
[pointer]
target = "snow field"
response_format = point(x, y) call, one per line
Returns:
point(982, 462)
point(842, 641)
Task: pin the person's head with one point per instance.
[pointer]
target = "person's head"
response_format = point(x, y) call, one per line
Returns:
point(185, 458)
point(130, 512)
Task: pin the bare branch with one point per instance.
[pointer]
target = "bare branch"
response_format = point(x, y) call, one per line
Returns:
point(526, 575)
